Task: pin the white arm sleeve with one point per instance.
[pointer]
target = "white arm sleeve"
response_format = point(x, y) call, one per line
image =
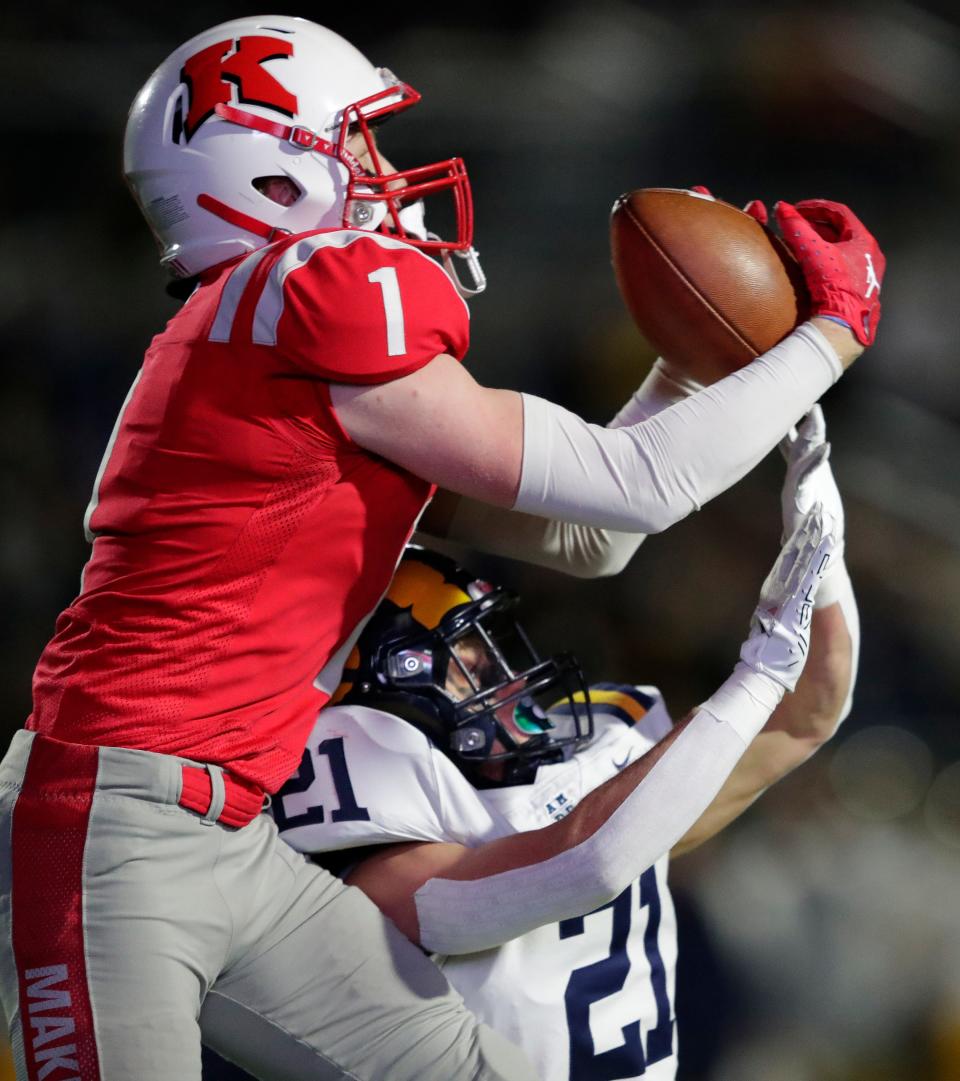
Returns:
point(578, 550)
point(645, 477)
point(466, 916)
point(582, 551)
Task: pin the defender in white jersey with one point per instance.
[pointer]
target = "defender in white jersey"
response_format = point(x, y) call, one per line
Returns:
point(587, 997)
point(466, 808)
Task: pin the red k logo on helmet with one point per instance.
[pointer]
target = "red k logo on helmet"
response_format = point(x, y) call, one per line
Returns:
point(210, 73)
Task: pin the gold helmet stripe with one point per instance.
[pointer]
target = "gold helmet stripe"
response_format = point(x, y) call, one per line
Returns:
point(425, 591)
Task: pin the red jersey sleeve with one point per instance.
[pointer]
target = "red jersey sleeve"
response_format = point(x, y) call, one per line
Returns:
point(356, 307)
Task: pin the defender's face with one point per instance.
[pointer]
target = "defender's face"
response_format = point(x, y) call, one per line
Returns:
point(479, 669)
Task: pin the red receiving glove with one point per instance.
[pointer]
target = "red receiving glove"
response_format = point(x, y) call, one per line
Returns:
point(841, 262)
point(757, 210)
point(754, 208)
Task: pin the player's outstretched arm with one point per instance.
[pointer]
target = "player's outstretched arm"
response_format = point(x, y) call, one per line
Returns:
point(805, 720)
point(523, 452)
point(514, 884)
point(579, 550)
point(799, 726)
point(574, 549)
point(582, 551)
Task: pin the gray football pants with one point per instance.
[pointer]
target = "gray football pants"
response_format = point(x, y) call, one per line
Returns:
point(131, 929)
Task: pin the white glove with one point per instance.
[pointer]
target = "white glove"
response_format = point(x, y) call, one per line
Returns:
point(779, 630)
point(809, 478)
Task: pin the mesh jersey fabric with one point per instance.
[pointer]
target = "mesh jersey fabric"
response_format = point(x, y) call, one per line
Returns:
point(240, 536)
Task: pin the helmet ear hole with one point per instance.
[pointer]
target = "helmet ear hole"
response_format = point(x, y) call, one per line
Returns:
point(279, 189)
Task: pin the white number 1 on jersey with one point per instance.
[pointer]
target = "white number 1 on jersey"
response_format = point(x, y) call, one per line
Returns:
point(386, 278)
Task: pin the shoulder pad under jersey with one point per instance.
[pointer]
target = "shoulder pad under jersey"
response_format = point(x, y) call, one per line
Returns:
point(639, 705)
point(368, 777)
point(346, 305)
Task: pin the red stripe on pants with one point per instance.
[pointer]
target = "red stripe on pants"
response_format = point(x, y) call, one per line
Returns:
point(49, 833)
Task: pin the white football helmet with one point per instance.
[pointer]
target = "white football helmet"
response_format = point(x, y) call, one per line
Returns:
point(273, 96)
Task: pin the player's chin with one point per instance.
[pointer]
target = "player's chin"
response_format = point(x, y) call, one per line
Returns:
point(492, 771)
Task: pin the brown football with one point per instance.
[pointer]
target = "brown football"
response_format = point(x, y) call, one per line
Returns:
point(708, 286)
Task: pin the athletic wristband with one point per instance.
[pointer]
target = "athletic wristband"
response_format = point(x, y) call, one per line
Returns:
point(835, 319)
point(745, 701)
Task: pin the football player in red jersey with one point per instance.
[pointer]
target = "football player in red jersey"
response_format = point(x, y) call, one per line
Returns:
point(284, 434)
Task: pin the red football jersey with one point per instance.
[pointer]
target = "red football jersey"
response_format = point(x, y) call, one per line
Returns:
point(239, 535)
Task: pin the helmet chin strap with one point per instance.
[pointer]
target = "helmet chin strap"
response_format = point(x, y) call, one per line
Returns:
point(471, 262)
point(412, 218)
point(468, 258)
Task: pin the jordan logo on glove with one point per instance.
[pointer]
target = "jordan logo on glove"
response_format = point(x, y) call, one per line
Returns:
point(873, 282)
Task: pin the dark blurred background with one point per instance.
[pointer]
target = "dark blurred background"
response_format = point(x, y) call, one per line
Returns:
point(820, 936)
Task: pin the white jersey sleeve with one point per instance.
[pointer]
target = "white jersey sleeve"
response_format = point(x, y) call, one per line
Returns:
point(367, 777)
